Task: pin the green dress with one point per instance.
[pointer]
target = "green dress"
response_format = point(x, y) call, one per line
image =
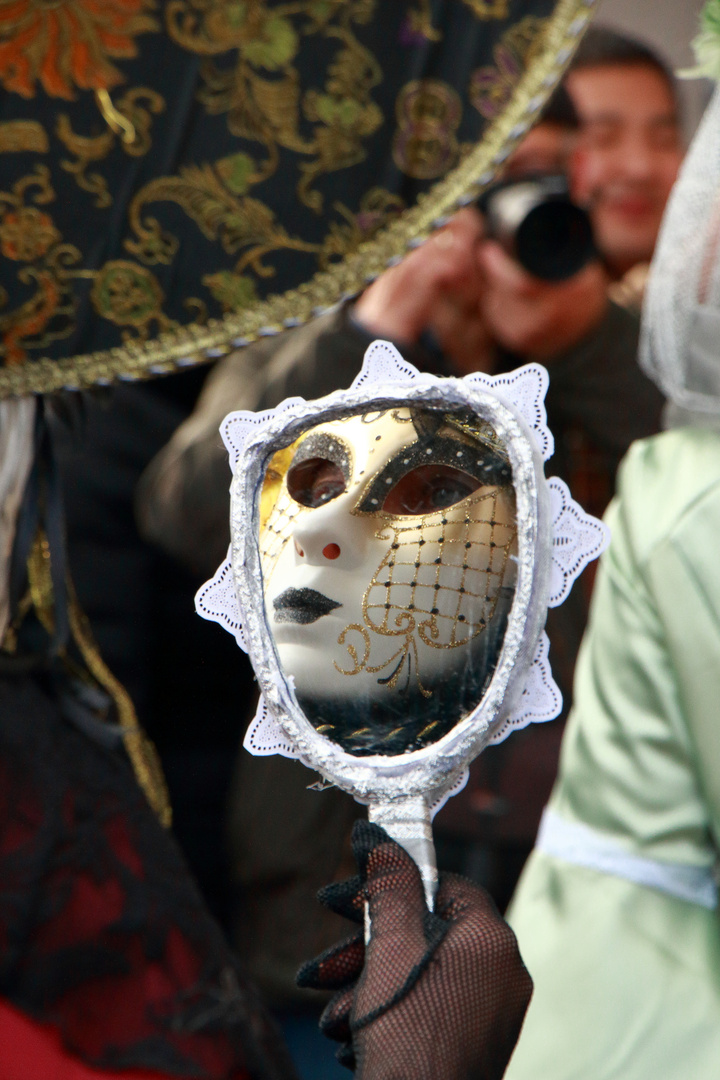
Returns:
point(615, 917)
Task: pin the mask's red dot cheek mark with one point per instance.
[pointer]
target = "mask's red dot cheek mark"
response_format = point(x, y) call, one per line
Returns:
point(331, 551)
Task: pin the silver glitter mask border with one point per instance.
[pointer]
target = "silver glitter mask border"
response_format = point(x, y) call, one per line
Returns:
point(434, 768)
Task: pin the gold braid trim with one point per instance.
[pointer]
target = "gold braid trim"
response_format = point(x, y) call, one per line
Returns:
point(143, 755)
point(195, 344)
point(40, 582)
point(140, 750)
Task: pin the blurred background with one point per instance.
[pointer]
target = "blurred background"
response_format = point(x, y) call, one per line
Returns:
point(669, 26)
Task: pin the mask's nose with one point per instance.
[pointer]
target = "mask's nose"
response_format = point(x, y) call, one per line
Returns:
point(331, 535)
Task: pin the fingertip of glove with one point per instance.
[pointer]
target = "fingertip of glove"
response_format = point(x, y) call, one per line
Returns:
point(307, 976)
point(335, 1019)
point(344, 898)
point(336, 967)
point(366, 837)
point(346, 1056)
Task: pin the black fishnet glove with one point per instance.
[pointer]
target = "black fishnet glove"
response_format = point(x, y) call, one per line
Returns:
point(434, 995)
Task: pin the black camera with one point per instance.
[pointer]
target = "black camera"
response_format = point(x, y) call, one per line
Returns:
point(536, 222)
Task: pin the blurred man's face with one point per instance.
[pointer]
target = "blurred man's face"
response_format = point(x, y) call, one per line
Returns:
point(628, 155)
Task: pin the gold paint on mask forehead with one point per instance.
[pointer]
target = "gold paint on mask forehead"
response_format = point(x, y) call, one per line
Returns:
point(278, 510)
point(275, 473)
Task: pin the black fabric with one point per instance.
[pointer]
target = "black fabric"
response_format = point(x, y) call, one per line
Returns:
point(102, 932)
point(179, 670)
point(433, 995)
point(41, 507)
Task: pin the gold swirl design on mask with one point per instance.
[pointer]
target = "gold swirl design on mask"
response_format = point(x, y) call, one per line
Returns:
point(408, 647)
point(358, 665)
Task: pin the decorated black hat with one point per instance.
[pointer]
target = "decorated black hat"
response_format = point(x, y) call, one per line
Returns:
point(181, 178)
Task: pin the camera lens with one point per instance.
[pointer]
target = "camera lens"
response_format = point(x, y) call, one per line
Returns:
point(537, 223)
point(555, 240)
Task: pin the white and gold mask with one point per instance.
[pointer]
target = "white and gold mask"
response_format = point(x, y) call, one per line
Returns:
point(387, 549)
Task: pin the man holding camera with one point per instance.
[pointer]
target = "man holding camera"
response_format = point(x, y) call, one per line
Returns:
point(461, 303)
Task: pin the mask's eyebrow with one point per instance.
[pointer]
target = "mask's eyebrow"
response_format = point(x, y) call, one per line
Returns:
point(481, 462)
point(321, 444)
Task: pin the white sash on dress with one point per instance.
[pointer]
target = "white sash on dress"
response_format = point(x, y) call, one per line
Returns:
point(577, 843)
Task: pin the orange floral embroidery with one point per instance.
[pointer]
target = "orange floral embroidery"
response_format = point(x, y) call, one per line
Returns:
point(67, 44)
point(26, 234)
point(31, 318)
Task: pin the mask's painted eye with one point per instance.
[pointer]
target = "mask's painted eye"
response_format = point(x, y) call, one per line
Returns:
point(428, 488)
point(315, 481)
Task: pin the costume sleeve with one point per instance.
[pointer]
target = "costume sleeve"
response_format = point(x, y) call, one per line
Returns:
point(639, 767)
point(598, 386)
point(183, 502)
point(641, 751)
point(684, 577)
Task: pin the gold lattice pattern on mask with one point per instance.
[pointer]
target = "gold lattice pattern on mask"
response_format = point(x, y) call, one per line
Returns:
point(440, 614)
point(444, 615)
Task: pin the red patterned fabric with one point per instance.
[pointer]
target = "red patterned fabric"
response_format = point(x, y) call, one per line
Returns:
point(104, 937)
point(31, 1051)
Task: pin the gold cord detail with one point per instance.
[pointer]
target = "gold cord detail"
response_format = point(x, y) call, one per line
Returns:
point(142, 753)
point(114, 119)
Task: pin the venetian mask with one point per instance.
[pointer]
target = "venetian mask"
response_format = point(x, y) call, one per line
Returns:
point(388, 554)
point(395, 547)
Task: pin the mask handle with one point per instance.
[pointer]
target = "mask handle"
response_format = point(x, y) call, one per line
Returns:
point(407, 820)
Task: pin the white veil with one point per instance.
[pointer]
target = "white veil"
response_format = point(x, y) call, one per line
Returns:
point(680, 340)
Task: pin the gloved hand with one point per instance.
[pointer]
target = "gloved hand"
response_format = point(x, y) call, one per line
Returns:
point(432, 995)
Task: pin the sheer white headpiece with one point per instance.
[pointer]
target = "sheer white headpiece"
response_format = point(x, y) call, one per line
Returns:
point(680, 340)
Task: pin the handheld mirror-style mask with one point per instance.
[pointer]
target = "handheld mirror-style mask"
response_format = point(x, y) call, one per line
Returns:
point(394, 550)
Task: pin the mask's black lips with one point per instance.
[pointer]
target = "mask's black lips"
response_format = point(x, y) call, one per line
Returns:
point(302, 606)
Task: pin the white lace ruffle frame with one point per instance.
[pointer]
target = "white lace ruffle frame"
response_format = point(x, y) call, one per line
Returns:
point(577, 539)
